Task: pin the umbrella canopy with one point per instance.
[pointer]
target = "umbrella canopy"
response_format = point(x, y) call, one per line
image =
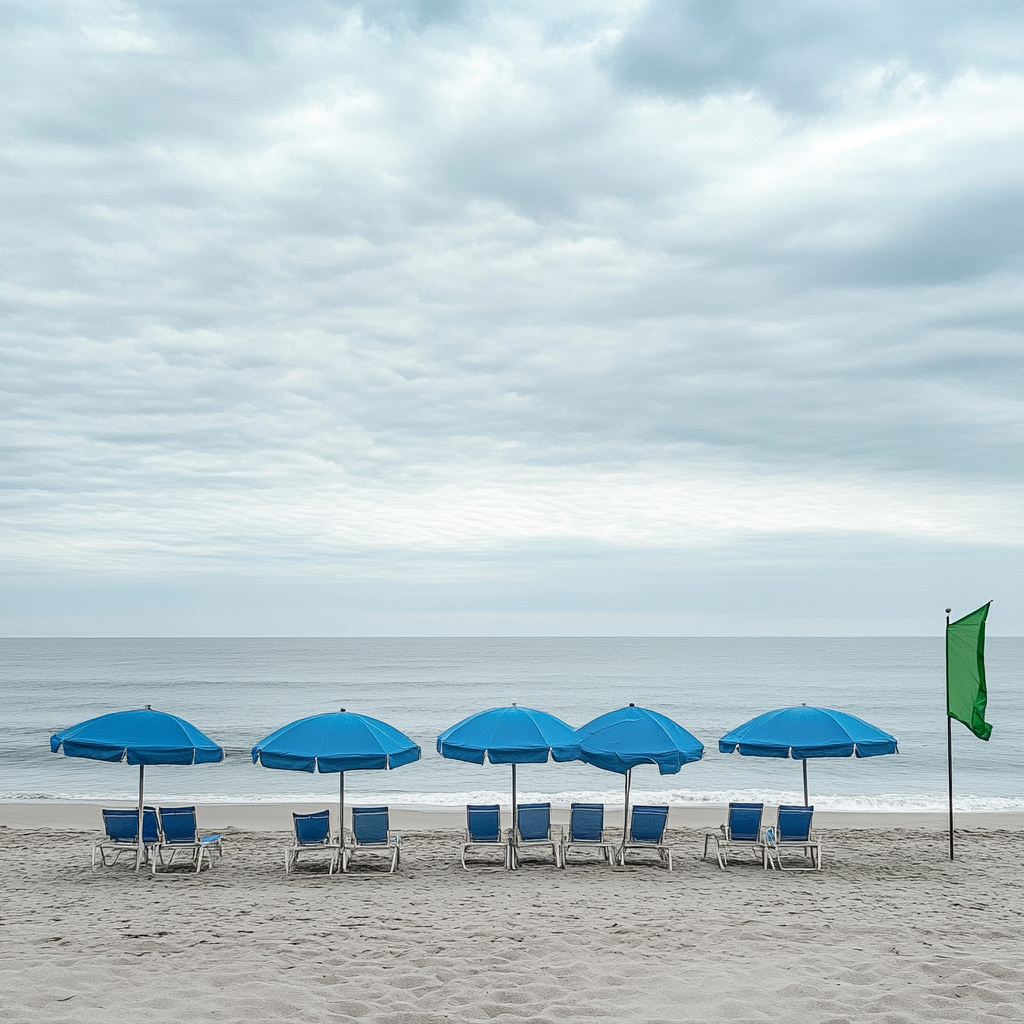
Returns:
point(807, 732)
point(623, 739)
point(139, 737)
point(803, 732)
point(337, 742)
point(509, 736)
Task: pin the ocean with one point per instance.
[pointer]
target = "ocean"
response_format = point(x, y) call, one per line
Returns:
point(239, 690)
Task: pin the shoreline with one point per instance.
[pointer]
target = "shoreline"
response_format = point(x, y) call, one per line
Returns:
point(84, 816)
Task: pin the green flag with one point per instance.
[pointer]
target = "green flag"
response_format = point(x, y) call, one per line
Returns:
point(966, 695)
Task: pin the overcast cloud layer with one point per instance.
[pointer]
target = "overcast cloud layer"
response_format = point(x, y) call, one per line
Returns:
point(463, 317)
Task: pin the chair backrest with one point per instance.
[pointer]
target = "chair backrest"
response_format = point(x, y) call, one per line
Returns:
point(179, 824)
point(483, 822)
point(745, 822)
point(312, 829)
point(586, 823)
point(647, 823)
point(122, 826)
point(534, 821)
point(370, 824)
point(150, 825)
point(794, 823)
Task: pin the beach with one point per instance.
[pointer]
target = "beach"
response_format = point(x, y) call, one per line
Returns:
point(890, 930)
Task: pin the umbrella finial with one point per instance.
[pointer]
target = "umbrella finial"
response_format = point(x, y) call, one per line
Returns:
point(631, 704)
point(342, 710)
point(149, 707)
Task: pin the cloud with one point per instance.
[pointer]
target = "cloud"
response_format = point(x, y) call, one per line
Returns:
point(290, 285)
point(805, 56)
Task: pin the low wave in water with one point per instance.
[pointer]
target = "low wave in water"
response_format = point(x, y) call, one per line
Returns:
point(611, 798)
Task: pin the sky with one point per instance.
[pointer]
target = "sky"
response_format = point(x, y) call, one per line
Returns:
point(465, 318)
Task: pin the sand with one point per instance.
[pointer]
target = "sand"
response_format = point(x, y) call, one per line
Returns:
point(889, 931)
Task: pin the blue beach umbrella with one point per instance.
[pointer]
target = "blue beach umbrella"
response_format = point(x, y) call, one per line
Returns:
point(509, 736)
point(338, 742)
point(620, 740)
point(139, 737)
point(804, 732)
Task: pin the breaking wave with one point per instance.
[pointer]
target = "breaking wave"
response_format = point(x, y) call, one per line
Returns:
point(612, 797)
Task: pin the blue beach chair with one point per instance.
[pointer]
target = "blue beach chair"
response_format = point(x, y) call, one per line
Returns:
point(742, 831)
point(647, 832)
point(586, 831)
point(534, 829)
point(180, 834)
point(121, 829)
point(792, 832)
point(370, 832)
point(483, 831)
point(312, 833)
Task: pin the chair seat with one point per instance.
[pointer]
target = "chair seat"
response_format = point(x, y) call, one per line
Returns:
point(586, 832)
point(179, 832)
point(534, 831)
point(484, 832)
point(371, 832)
point(121, 829)
point(312, 835)
point(742, 831)
point(792, 834)
point(647, 833)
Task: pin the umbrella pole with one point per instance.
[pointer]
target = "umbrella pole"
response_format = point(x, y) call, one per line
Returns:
point(515, 823)
point(807, 803)
point(625, 818)
point(341, 820)
point(138, 838)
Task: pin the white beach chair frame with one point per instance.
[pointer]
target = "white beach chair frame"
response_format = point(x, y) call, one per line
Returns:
point(555, 840)
point(200, 847)
point(725, 845)
point(332, 843)
point(603, 846)
point(390, 847)
point(662, 849)
point(659, 846)
point(503, 841)
point(116, 847)
point(773, 850)
point(107, 844)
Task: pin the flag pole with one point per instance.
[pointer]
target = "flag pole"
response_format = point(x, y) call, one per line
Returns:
point(949, 741)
